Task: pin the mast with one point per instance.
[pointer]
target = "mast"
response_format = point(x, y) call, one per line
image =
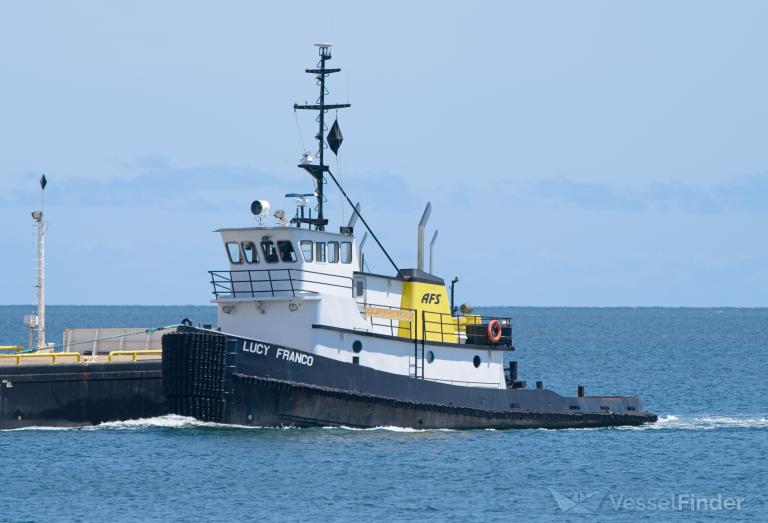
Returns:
point(317, 170)
point(41, 226)
point(334, 140)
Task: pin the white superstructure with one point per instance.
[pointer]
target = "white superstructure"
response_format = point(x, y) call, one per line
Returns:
point(301, 288)
point(299, 285)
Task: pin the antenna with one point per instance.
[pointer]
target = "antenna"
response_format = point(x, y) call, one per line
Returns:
point(334, 141)
point(317, 170)
point(301, 202)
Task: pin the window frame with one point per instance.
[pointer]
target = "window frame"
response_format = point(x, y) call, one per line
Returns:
point(264, 243)
point(292, 251)
point(240, 256)
point(349, 252)
point(302, 243)
point(256, 258)
point(318, 250)
point(331, 244)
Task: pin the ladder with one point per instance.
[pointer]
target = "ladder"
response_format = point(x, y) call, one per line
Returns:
point(416, 365)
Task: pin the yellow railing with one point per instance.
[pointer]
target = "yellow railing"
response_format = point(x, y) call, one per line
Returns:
point(134, 353)
point(17, 348)
point(439, 326)
point(52, 355)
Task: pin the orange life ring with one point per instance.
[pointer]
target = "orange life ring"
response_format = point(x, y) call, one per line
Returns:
point(494, 331)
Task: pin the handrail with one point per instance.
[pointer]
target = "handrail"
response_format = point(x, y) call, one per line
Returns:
point(123, 335)
point(17, 348)
point(225, 282)
point(52, 355)
point(285, 269)
point(133, 353)
point(437, 326)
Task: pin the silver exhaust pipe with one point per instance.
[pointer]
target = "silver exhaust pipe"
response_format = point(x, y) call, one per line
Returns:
point(355, 214)
point(431, 246)
point(420, 249)
point(362, 256)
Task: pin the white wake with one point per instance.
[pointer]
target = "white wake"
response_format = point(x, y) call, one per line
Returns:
point(173, 421)
point(703, 422)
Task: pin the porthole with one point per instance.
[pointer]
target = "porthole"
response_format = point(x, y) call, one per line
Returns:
point(430, 356)
point(357, 346)
point(476, 361)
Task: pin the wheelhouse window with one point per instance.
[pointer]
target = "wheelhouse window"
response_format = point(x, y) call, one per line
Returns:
point(306, 250)
point(233, 251)
point(287, 254)
point(251, 252)
point(270, 251)
point(333, 252)
point(346, 252)
point(320, 251)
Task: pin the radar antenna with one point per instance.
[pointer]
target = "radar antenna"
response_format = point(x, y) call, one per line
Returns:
point(317, 170)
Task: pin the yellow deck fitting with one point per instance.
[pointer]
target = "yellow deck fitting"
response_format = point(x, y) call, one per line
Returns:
point(52, 355)
point(134, 353)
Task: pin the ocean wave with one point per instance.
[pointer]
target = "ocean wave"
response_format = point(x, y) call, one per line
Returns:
point(707, 422)
point(21, 429)
point(387, 428)
point(169, 421)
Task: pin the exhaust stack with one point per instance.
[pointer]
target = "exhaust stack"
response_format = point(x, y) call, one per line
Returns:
point(355, 214)
point(420, 249)
point(431, 246)
point(362, 256)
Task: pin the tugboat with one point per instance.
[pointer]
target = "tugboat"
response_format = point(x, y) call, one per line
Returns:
point(307, 337)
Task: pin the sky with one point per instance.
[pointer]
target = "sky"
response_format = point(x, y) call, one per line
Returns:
point(575, 153)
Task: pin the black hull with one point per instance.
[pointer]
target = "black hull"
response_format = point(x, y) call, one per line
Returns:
point(75, 394)
point(276, 403)
point(221, 378)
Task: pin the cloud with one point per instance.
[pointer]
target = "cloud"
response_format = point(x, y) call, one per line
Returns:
point(587, 195)
point(742, 194)
point(669, 196)
point(151, 181)
point(748, 194)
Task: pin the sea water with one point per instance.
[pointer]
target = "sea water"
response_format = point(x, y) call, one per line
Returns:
point(703, 371)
